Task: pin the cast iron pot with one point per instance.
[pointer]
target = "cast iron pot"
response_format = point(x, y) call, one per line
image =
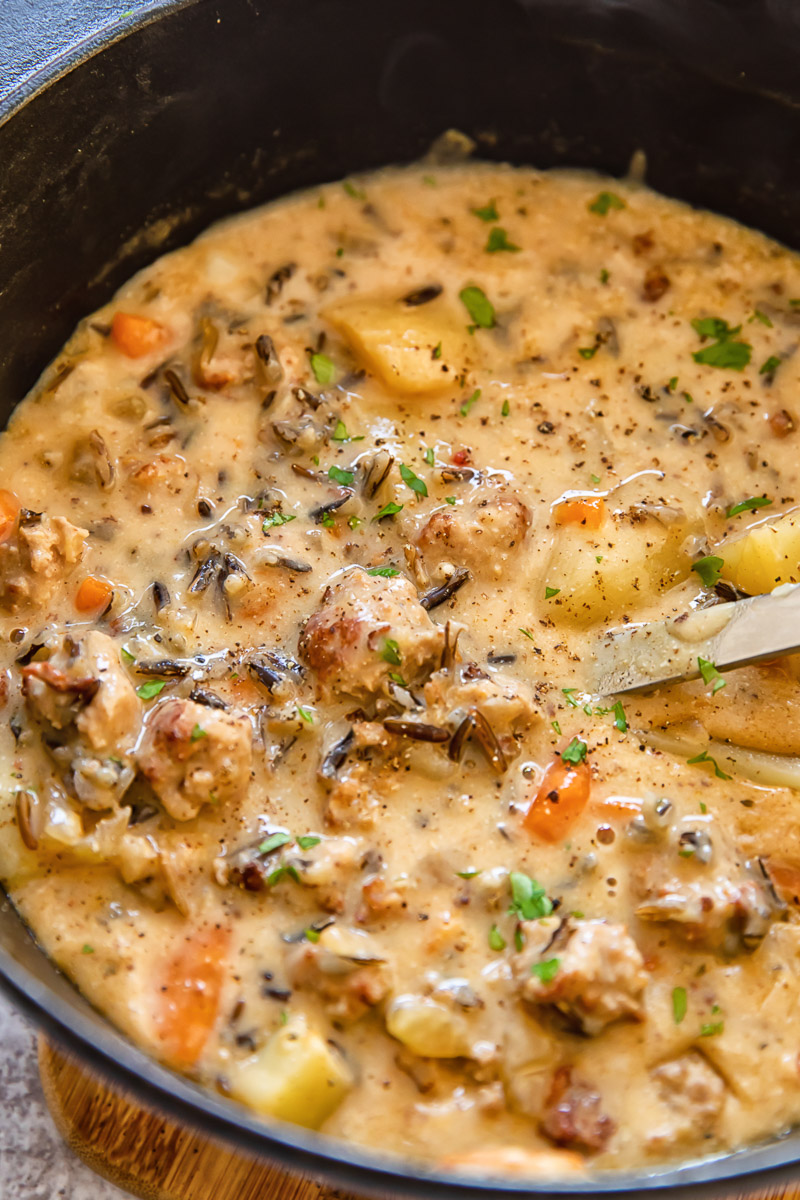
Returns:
point(133, 140)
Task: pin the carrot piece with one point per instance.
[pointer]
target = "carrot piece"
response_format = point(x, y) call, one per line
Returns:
point(562, 796)
point(588, 511)
point(785, 876)
point(9, 511)
point(135, 335)
point(93, 595)
point(189, 990)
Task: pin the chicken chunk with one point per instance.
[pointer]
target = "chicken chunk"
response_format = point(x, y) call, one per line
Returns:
point(193, 755)
point(345, 967)
point(32, 563)
point(481, 535)
point(591, 971)
point(90, 713)
point(573, 1115)
point(693, 1095)
point(507, 706)
point(366, 628)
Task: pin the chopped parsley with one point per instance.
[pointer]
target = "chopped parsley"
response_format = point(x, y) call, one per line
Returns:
point(679, 1004)
point(345, 478)
point(398, 679)
point(473, 871)
point(449, 499)
point(604, 276)
point(526, 632)
point(197, 733)
point(710, 675)
point(712, 1029)
point(575, 751)
point(546, 971)
point(87, 949)
point(305, 714)
point(149, 690)
point(279, 873)
point(340, 434)
point(383, 572)
point(126, 656)
point(468, 403)
point(673, 383)
point(747, 505)
point(413, 481)
point(549, 592)
point(587, 351)
point(620, 720)
point(324, 368)
point(277, 518)
point(703, 807)
point(311, 934)
point(758, 315)
point(498, 240)
point(388, 510)
point(570, 695)
point(356, 192)
point(274, 842)
point(391, 652)
point(709, 569)
point(506, 409)
point(604, 201)
point(355, 521)
point(479, 307)
point(429, 457)
point(437, 351)
point(308, 840)
point(725, 351)
point(529, 901)
point(771, 365)
point(705, 757)
point(496, 939)
point(556, 727)
point(487, 213)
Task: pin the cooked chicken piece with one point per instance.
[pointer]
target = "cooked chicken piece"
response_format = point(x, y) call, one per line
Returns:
point(193, 755)
point(345, 967)
point(90, 713)
point(591, 971)
point(32, 563)
point(367, 628)
point(507, 706)
point(573, 1116)
point(481, 535)
point(693, 1095)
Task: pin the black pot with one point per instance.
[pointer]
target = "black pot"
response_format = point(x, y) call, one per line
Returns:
point(132, 142)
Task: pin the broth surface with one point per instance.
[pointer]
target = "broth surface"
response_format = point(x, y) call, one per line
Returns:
point(305, 544)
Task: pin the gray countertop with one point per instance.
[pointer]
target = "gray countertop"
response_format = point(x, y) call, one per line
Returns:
point(34, 1162)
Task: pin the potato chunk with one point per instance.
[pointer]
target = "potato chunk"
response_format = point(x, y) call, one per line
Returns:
point(427, 1027)
point(413, 350)
point(616, 570)
point(765, 557)
point(296, 1077)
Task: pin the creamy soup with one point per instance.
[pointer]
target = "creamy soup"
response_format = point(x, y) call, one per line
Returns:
point(307, 540)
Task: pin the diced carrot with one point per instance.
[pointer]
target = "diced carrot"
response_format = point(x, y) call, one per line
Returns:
point(93, 595)
point(9, 511)
point(135, 335)
point(460, 458)
point(189, 990)
point(588, 511)
point(560, 800)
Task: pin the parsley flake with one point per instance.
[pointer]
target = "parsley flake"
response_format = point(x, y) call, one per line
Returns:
point(354, 522)
point(126, 656)
point(479, 307)
point(747, 505)
point(770, 366)
point(355, 192)
point(526, 632)
point(570, 695)
point(587, 351)
point(529, 901)
point(311, 934)
point(383, 572)
point(149, 690)
point(758, 315)
point(275, 519)
point(710, 675)
point(496, 940)
point(87, 949)
point(274, 842)
point(468, 403)
point(473, 871)
point(556, 727)
point(724, 352)
point(388, 510)
point(487, 213)
point(575, 751)
point(498, 240)
point(308, 840)
point(429, 457)
point(712, 1029)
point(324, 368)
point(546, 971)
point(449, 499)
point(620, 720)
point(340, 434)
point(391, 652)
point(413, 481)
point(604, 201)
point(305, 714)
point(604, 276)
point(705, 757)
point(673, 383)
point(506, 409)
point(197, 733)
point(437, 351)
point(709, 569)
point(550, 592)
point(345, 478)
point(679, 1004)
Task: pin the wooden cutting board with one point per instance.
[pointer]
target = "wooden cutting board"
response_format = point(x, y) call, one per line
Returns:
point(152, 1157)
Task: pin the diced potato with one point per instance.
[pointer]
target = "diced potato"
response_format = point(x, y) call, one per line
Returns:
point(427, 1027)
point(296, 1077)
point(620, 568)
point(764, 558)
point(412, 350)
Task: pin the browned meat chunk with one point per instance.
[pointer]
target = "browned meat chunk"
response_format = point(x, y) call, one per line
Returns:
point(193, 755)
point(33, 562)
point(481, 535)
point(573, 1116)
point(366, 629)
point(91, 715)
point(693, 1095)
point(591, 971)
point(345, 967)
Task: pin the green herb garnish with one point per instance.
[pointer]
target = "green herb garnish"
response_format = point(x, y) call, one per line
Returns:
point(87, 949)
point(340, 434)
point(496, 940)
point(383, 572)
point(546, 971)
point(549, 592)
point(604, 276)
point(275, 519)
point(197, 733)
point(498, 240)
point(308, 840)
point(413, 481)
point(311, 934)
point(712, 1029)
point(468, 403)
point(705, 757)
point(588, 351)
point(771, 365)
point(305, 714)
point(529, 901)
point(506, 409)
point(429, 456)
point(345, 478)
point(620, 720)
point(388, 510)
point(725, 351)
point(605, 201)
point(679, 1004)
point(709, 569)
point(352, 190)
point(487, 213)
point(149, 690)
point(575, 751)
point(556, 727)
point(324, 368)
point(274, 842)
point(437, 351)
point(479, 307)
point(758, 315)
point(527, 633)
point(570, 696)
point(391, 652)
point(710, 675)
point(748, 505)
point(126, 656)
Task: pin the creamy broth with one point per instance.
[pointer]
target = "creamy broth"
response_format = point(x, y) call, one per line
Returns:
point(306, 542)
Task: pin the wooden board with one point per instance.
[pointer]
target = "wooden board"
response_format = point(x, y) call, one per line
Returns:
point(152, 1157)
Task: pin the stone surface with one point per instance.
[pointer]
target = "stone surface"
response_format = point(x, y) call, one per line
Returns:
point(34, 1162)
